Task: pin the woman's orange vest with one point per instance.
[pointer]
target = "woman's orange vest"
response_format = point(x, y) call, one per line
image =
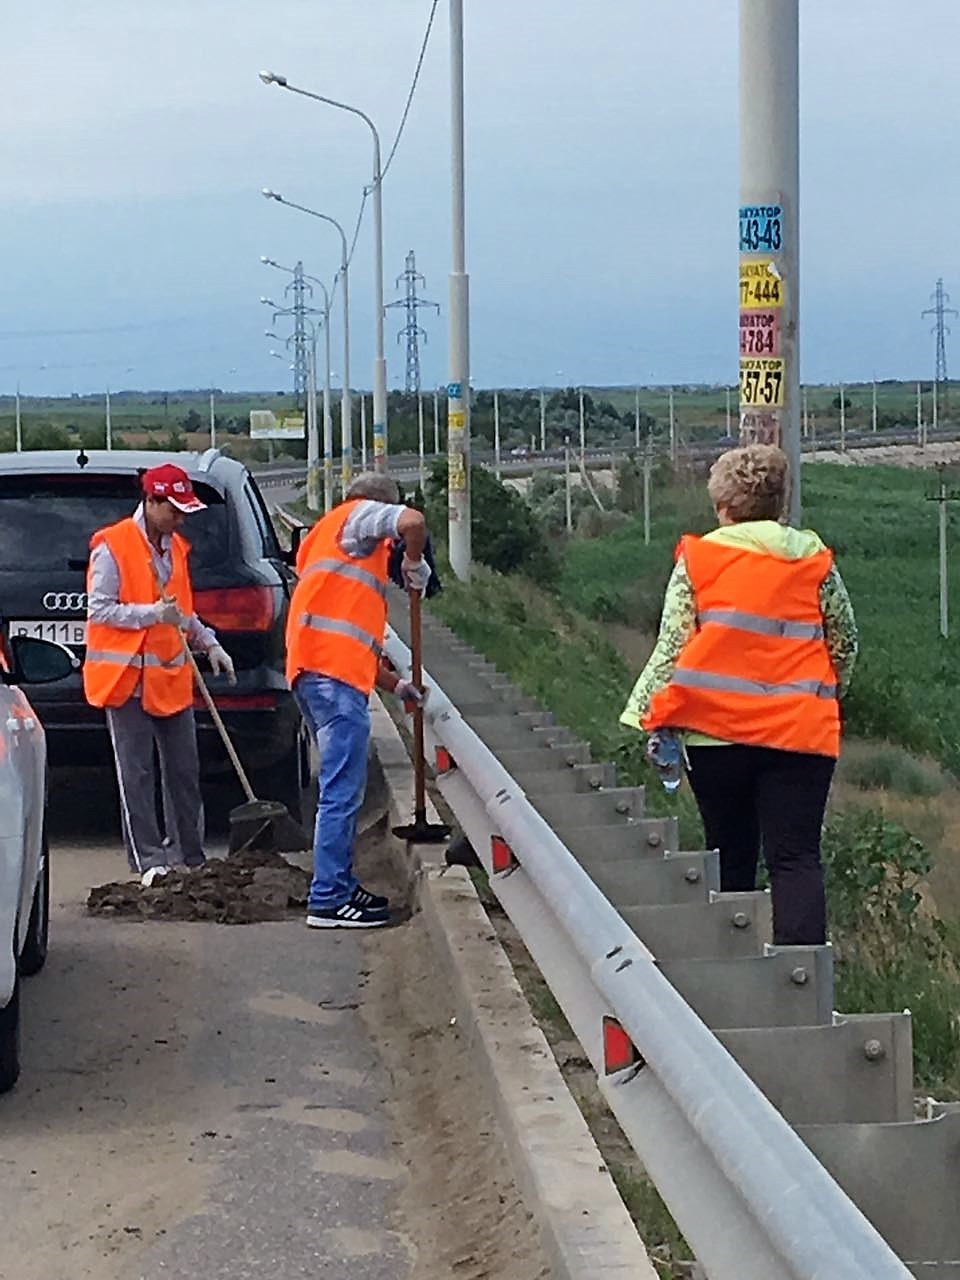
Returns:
point(118, 659)
point(757, 671)
point(338, 614)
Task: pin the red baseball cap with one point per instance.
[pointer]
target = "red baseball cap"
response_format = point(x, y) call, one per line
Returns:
point(172, 483)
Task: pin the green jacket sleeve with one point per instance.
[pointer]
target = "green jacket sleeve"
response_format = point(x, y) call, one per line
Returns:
point(677, 625)
point(839, 628)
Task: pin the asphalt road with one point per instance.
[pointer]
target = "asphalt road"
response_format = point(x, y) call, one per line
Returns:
point(230, 1102)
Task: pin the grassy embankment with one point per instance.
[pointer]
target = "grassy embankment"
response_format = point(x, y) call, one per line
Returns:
point(896, 805)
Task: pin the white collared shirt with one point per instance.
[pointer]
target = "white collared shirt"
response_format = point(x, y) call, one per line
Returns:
point(103, 604)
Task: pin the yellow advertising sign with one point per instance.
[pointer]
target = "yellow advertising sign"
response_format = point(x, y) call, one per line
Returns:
point(761, 285)
point(457, 419)
point(762, 382)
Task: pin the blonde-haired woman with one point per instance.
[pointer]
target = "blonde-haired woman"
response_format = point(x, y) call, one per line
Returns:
point(757, 645)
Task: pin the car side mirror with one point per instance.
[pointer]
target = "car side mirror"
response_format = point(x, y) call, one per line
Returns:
point(39, 661)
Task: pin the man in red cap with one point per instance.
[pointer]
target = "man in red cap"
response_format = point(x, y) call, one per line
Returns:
point(140, 600)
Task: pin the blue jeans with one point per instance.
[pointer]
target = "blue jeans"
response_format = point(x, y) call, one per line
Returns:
point(338, 716)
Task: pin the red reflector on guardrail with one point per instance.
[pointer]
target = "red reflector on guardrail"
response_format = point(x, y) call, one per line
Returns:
point(619, 1051)
point(501, 855)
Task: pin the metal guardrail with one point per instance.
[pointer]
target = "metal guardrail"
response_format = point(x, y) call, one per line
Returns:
point(406, 467)
point(752, 1200)
point(565, 849)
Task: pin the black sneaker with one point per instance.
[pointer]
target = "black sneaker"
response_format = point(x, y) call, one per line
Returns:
point(372, 901)
point(346, 916)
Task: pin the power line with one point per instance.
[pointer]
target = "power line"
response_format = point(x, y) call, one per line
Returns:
point(402, 126)
point(413, 89)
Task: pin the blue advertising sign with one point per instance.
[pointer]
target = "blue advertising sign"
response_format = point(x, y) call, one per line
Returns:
point(455, 391)
point(762, 228)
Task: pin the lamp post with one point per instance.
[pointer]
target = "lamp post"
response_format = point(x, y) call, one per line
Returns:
point(379, 363)
point(458, 390)
point(346, 414)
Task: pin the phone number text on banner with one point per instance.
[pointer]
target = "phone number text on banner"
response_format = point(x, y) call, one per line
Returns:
point(762, 381)
point(761, 228)
point(759, 333)
point(761, 285)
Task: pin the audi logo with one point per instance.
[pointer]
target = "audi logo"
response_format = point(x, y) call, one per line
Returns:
point(65, 601)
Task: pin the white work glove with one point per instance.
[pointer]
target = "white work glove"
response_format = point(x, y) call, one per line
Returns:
point(416, 574)
point(221, 664)
point(168, 613)
point(410, 695)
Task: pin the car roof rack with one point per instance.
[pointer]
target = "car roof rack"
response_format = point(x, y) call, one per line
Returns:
point(208, 458)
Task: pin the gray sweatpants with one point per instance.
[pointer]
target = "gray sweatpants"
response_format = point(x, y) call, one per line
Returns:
point(133, 733)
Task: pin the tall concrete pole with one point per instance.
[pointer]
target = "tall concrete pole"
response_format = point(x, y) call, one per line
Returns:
point(458, 388)
point(213, 422)
point(109, 421)
point(313, 439)
point(19, 428)
point(327, 417)
point(363, 432)
point(583, 435)
point(436, 422)
point(770, 229)
point(423, 466)
point(496, 434)
point(380, 362)
point(543, 421)
point(636, 418)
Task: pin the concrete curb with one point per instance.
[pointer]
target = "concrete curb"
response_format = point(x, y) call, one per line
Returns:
point(560, 1172)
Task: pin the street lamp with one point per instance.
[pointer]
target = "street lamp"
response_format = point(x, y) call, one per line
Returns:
point(458, 390)
point(346, 415)
point(380, 363)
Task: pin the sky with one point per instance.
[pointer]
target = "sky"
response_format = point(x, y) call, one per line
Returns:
point(602, 186)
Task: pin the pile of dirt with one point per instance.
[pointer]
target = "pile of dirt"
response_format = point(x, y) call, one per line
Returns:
point(239, 889)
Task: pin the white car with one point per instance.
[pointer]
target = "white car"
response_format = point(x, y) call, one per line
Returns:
point(24, 868)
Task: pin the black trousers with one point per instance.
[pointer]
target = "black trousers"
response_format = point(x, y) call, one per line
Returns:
point(756, 800)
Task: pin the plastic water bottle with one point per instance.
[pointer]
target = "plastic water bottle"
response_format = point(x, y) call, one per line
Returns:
point(666, 755)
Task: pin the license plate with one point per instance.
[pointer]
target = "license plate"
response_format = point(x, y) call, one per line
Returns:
point(72, 632)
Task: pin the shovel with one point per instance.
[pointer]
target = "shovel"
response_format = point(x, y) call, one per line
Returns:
point(420, 830)
point(263, 826)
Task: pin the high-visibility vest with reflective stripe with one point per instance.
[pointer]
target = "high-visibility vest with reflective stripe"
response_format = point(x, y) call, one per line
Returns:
point(119, 660)
point(338, 614)
point(757, 671)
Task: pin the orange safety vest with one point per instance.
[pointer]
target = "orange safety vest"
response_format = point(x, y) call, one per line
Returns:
point(338, 614)
point(118, 659)
point(757, 671)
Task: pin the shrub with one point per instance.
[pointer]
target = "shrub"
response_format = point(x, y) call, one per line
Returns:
point(506, 535)
point(891, 950)
point(890, 768)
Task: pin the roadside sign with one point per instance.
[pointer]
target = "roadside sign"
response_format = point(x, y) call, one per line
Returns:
point(264, 426)
point(761, 382)
point(761, 285)
point(759, 333)
point(761, 228)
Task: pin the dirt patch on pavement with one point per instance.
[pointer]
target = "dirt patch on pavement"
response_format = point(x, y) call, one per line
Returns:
point(239, 889)
point(460, 1206)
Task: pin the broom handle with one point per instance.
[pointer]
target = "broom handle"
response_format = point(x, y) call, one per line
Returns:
point(207, 695)
point(416, 649)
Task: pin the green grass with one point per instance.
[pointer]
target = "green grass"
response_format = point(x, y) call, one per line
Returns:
point(888, 767)
point(884, 533)
point(565, 661)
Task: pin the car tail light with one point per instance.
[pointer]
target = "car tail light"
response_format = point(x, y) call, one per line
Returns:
point(236, 608)
point(238, 702)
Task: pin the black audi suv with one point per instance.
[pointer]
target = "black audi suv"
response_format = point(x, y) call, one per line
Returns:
point(51, 503)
